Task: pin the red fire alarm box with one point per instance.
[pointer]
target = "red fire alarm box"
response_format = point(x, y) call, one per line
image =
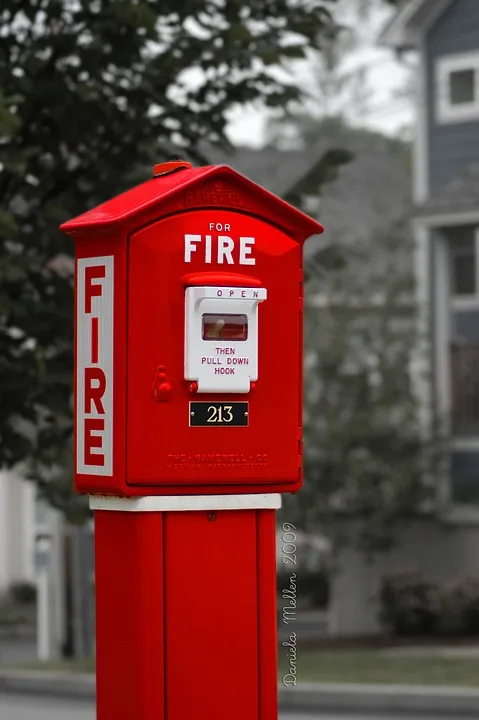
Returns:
point(188, 362)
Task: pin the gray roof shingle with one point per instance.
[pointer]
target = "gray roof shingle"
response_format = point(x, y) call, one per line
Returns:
point(459, 195)
point(371, 192)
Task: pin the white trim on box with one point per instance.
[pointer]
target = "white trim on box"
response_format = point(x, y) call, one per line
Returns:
point(184, 503)
point(446, 112)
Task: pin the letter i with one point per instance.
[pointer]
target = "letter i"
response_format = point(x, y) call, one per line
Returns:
point(94, 340)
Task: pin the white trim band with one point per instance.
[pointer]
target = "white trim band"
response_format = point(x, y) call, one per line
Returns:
point(182, 503)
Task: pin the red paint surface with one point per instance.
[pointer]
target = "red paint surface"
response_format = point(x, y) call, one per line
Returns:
point(158, 453)
point(129, 616)
point(161, 448)
point(186, 615)
point(89, 247)
point(211, 616)
point(212, 186)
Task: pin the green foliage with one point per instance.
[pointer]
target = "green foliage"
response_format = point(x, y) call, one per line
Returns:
point(411, 605)
point(90, 92)
point(365, 456)
point(459, 608)
point(23, 593)
point(312, 586)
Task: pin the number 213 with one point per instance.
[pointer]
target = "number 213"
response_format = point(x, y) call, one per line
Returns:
point(222, 414)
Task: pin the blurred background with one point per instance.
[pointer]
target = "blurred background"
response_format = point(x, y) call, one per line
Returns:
point(363, 113)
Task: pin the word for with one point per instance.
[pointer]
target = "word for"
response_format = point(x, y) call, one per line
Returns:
point(219, 227)
point(221, 249)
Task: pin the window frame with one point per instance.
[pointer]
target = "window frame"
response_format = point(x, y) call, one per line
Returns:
point(446, 112)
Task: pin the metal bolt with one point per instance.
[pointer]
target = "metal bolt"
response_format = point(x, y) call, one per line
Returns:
point(212, 516)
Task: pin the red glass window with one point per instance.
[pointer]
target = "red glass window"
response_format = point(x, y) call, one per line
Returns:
point(225, 327)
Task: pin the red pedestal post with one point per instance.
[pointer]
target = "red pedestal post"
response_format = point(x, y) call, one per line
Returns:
point(186, 614)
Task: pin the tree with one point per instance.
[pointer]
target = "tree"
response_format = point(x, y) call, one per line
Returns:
point(91, 91)
point(366, 456)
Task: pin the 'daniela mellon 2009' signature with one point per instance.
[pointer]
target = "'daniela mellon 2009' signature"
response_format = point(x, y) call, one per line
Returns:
point(289, 595)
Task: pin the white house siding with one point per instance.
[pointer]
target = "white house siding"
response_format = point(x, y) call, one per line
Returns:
point(441, 553)
point(17, 507)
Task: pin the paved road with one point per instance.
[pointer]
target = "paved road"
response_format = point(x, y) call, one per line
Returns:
point(29, 708)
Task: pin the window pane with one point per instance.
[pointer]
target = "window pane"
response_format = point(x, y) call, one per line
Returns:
point(464, 276)
point(465, 326)
point(225, 327)
point(461, 86)
point(465, 477)
point(462, 255)
point(465, 388)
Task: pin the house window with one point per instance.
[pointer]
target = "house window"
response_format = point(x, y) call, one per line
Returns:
point(461, 87)
point(458, 88)
point(465, 477)
point(463, 263)
point(463, 329)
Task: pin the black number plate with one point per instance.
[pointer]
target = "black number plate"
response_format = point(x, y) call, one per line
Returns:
point(214, 414)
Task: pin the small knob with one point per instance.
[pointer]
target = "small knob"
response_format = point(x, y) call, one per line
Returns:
point(168, 167)
point(161, 385)
point(163, 391)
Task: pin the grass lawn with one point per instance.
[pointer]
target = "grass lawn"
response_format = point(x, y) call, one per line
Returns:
point(379, 666)
point(347, 666)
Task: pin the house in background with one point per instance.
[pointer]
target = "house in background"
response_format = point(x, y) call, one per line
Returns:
point(17, 526)
point(443, 37)
point(370, 192)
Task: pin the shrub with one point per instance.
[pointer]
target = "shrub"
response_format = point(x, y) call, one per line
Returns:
point(459, 608)
point(23, 593)
point(409, 605)
point(312, 587)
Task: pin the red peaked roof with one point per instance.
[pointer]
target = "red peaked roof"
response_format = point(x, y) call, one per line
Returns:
point(160, 191)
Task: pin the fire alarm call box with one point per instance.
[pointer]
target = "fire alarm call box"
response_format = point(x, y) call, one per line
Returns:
point(188, 337)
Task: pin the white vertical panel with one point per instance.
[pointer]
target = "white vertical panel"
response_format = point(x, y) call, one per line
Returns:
point(101, 308)
point(4, 531)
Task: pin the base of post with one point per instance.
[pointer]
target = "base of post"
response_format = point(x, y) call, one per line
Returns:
point(186, 609)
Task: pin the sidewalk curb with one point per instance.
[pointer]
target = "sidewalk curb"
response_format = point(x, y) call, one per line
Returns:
point(75, 686)
point(381, 699)
point(335, 697)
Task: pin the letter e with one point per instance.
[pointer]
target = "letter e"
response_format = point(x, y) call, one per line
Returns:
point(94, 425)
point(245, 251)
